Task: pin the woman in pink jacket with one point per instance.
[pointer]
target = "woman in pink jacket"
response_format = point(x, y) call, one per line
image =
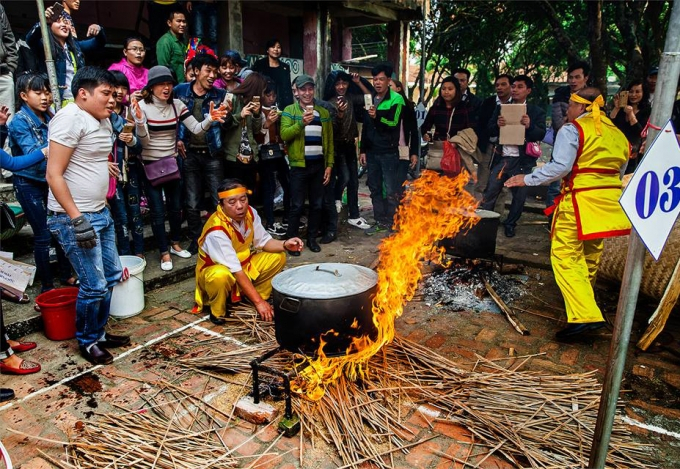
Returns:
point(132, 65)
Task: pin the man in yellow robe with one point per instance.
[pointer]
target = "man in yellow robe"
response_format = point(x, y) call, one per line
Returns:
point(237, 257)
point(590, 155)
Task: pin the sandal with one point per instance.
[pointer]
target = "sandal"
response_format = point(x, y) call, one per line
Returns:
point(15, 299)
point(25, 368)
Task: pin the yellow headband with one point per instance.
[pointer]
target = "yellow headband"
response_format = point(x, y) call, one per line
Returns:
point(593, 106)
point(233, 192)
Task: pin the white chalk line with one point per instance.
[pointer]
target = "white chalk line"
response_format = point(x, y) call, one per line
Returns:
point(651, 428)
point(153, 341)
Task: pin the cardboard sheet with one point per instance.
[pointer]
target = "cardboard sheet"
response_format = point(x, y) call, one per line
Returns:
point(512, 133)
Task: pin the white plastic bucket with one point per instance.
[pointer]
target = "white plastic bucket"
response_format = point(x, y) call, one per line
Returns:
point(128, 296)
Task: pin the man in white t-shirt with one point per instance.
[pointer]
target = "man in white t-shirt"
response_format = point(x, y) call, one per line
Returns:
point(81, 139)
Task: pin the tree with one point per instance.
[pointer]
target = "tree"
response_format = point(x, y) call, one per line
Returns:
point(620, 38)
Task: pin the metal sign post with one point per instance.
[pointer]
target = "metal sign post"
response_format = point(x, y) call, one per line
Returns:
point(669, 70)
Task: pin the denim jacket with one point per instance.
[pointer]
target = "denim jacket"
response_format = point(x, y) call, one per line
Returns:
point(213, 136)
point(86, 46)
point(28, 133)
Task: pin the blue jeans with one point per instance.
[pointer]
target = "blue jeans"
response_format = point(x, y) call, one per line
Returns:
point(270, 171)
point(383, 169)
point(154, 196)
point(201, 172)
point(127, 215)
point(205, 22)
point(98, 269)
point(306, 182)
point(32, 195)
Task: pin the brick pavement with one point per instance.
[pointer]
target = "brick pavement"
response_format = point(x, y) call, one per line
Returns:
point(70, 390)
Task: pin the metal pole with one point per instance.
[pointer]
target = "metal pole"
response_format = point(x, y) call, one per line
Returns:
point(666, 86)
point(422, 57)
point(49, 61)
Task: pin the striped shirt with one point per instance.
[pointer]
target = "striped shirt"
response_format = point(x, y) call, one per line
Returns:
point(313, 146)
point(158, 131)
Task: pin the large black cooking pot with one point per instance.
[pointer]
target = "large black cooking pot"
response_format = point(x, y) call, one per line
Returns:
point(311, 300)
point(477, 242)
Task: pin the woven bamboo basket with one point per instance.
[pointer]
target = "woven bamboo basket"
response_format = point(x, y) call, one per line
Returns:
point(656, 275)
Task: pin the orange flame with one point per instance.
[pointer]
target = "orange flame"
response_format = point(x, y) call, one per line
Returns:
point(433, 208)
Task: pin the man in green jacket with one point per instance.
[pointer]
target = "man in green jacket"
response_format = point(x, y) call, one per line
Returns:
point(380, 148)
point(307, 129)
point(171, 48)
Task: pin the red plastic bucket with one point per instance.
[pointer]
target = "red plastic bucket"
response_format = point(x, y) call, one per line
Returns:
point(58, 310)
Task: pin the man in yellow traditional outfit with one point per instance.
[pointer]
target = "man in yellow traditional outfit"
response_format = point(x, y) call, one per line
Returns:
point(237, 257)
point(590, 155)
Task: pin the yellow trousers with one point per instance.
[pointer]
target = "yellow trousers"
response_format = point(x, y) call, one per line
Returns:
point(575, 263)
point(214, 284)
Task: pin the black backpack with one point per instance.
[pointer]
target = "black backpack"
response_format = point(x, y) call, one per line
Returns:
point(28, 62)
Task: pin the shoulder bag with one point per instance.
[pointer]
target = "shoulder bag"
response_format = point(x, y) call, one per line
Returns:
point(271, 150)
point(166, 169)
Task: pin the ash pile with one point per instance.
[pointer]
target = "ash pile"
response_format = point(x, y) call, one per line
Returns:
point(461, 287)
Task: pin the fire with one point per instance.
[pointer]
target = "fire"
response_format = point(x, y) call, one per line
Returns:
point(433, 208)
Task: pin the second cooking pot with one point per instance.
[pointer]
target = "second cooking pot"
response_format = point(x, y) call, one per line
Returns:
point(310, 300)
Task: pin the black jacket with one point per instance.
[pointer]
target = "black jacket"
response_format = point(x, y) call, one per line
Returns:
point(486, 110)
point(9, 56)
point(534, 133)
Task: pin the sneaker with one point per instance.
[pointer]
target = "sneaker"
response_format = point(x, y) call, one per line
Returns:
point(276, 230)
point(377, 228)
point(360, 223)
point(338, 206)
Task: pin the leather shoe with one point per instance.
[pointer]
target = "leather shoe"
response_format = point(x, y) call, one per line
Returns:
point(97, 355)
point(313, 245)
point(6, 394)
point(215, 320)
point(113, 341)
point(25, 368)
point(24, 347)
point(509, 231)
point(576, 331)
point(328, 237)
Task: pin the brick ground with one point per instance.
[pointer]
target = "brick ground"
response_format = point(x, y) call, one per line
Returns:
point(463, 337)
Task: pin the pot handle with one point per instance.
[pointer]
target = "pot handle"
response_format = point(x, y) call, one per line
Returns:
point(334, 272)
point(290, 305)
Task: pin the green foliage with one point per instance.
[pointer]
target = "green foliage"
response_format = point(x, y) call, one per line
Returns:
point(369, 40)
point(538, 38)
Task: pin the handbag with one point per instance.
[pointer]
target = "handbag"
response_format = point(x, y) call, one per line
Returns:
point(113, 182)
point(533, 149)
point(7, 217)
point(245, 152)
point(165, 169)
point(450, 162)
point(435, 152)
point(272, 150)
point(161, 171)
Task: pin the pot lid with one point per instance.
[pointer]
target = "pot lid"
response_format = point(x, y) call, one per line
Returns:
point(325, 281)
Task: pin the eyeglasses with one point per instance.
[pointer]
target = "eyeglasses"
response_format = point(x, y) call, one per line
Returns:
point(137, 49)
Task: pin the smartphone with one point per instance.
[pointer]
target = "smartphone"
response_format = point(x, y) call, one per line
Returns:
point(256, 99)
point(623, 98)
point(310, 108)
point(368, 101)
point(128, 128)
point(57, 9)
point(341, 99)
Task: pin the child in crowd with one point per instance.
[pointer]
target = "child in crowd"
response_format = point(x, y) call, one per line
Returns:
point(27, 133)
point(124, 202)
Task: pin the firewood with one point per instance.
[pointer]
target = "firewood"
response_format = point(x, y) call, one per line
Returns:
point(666, 305)
point(509, 314)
